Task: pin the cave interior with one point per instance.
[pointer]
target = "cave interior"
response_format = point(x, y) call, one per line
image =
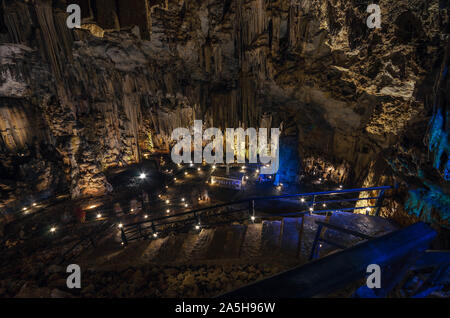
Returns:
point(88, 177)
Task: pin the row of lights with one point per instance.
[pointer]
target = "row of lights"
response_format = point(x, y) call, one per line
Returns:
point(25, 209)
point(187, 173)
point(311, 209)
point(143, 176)
point(198, 226)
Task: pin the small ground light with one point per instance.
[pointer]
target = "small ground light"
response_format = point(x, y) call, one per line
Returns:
point(167, 187)
point(340, 186)
point(155, 234)
point(198, 169)
point(257, 170)
point(168, 210)
point(311, 209)
point(182, 199)
point(24, 209)
point(175, 179)
point(197, 227)
point(167, 201)
point(120, 225)
point(302, 199)
point(142, 176)
point(191, 165)
point(252, 218)
point(121, 243)
point(99, 216)
point(214, 166)
point(186, 205)
point(34, 204)
point(185, 173)
point(324, 205)
point(53, 229)
point(145, 216)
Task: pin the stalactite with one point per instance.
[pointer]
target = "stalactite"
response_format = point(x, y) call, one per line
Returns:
point(18, 21)
point(55, 54)
point(239, 63)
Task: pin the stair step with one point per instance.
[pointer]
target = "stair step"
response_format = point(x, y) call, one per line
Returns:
point(309, 232)
point(201, 246)
point(217, 244)
point(290, 238)
point(226, 242)
point(170, 250)
point(270, 238)
point(252, 241)
point(233, 244)
point(188, 246)
point(152, 251)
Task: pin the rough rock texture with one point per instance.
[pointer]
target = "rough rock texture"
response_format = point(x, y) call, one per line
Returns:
point(365, 106)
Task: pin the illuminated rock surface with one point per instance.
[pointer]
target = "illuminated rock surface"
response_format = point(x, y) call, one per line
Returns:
point(365, 107)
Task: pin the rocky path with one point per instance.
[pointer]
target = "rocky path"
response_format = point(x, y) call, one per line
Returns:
point(201, 263)
point(286, 240)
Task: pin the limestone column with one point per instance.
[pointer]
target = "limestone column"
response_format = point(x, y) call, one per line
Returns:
point(107, 16)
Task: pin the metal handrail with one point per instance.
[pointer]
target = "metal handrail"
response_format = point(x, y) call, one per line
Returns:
point(393, 252)
point(250, 201)
point(265, 198)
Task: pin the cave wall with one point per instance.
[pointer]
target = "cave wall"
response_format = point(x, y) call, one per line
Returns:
point(358, 102)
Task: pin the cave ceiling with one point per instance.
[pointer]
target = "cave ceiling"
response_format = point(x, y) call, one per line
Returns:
point(78, 102)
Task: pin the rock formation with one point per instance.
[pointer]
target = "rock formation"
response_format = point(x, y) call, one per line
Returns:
point(364, 106)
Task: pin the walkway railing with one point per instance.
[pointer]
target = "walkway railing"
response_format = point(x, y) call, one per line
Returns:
point(318, 237)
point(324, 202)
point(397, 254)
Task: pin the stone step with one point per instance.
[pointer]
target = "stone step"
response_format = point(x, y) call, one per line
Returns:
point(281, 238)
point(171, 249)
point(270, 238)
point(252, 241)
point(152, 251)
point(188, 246)
point(226, 242)
point(290, 238)
point(309, 232)
point(201, 246)
point(235, 238)
point(216, 247)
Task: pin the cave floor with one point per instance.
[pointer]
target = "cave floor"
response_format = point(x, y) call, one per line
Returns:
point(225, 257)
point(215, 254)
